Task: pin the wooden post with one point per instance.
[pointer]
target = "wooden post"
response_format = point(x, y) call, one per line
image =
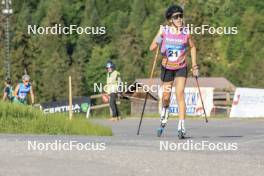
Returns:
point(228, 98)
point(70, 98)
point(88, 112)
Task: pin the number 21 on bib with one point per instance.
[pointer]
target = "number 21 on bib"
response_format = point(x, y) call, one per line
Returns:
point(173, 54)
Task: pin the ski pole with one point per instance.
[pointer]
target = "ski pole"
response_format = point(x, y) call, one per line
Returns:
point(198, 86)
point(146, 97)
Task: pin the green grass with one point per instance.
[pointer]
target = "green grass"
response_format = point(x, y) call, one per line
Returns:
point(28, 120)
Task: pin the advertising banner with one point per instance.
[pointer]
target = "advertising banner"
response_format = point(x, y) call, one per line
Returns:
point(248, 102)
point(79, 105)
point(192, 101)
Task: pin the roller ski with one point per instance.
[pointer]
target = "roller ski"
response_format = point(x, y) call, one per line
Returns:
point(163, 120)
point(181, 134)
point(161, 129)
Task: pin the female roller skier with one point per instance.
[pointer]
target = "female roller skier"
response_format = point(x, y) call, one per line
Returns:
point(175, 43)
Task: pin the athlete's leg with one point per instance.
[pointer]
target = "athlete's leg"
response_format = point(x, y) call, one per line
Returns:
point(181, 77)
point(180, 85)
point(167, 77)
point(166, 93)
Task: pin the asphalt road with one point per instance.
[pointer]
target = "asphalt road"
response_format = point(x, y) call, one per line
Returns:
point(125, 154)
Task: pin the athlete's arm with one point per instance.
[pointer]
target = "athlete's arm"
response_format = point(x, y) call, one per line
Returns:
point(32, 95)
point(195, 68)
point(16, 91)
point(5, 95)
point(193, 51)
point(156, 41)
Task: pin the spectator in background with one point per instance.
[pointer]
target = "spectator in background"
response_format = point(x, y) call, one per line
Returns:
point(113, 81)
point(8, 91)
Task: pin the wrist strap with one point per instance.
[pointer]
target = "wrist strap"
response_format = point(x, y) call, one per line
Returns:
point(195, 67)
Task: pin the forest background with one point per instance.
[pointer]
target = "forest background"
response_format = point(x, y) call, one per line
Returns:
point(130, 28)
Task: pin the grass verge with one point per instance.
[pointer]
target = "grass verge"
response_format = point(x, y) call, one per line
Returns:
point(27, 120)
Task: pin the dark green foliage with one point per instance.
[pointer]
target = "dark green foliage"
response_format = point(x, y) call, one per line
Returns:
point(130, 28)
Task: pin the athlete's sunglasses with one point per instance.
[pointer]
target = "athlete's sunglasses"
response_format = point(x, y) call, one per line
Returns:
point(175, 17)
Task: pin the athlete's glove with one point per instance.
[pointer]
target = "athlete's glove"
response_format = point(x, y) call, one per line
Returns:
point(195, 71)
point(158, 39)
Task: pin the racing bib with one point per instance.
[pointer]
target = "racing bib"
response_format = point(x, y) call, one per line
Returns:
point(173, 54)
point(22, 95)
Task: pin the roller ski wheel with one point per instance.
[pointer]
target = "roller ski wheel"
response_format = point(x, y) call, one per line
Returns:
point(181, 134)
point(160, 130)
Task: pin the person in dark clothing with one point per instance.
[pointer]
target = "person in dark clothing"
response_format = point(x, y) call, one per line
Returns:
point(113, 81)
point(8, 91)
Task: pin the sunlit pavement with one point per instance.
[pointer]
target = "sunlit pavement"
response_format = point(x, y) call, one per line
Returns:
point(128, 154)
